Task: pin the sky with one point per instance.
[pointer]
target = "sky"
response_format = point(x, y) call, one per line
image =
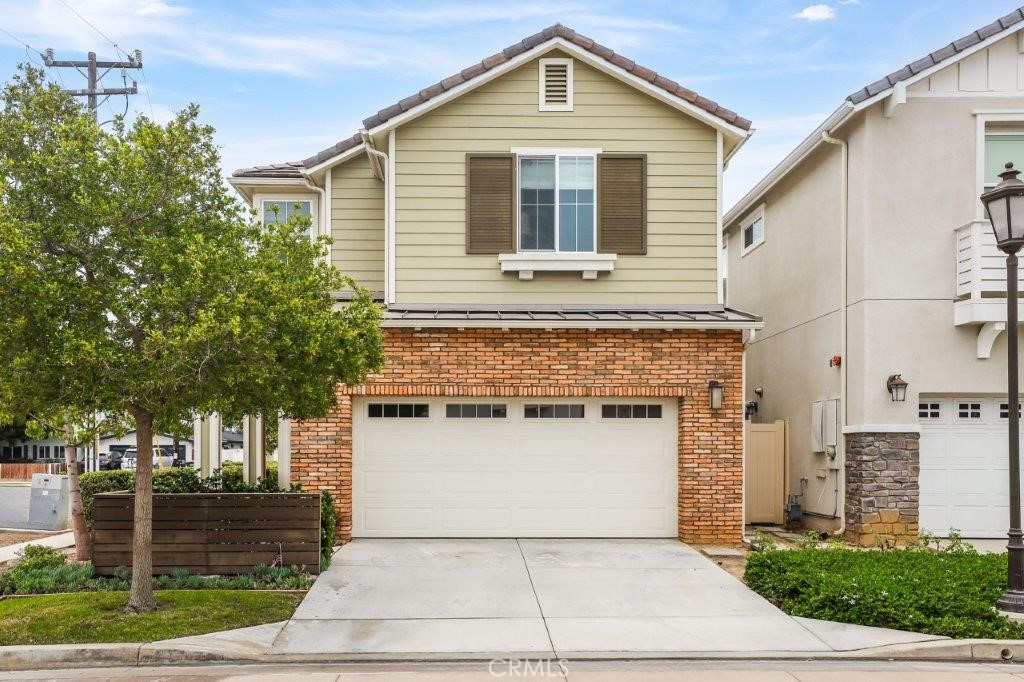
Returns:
point(281, 80)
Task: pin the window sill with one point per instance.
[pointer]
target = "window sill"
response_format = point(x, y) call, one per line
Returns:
point(526, 263)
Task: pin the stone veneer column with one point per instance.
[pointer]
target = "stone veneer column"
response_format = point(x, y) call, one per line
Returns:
point(882, 491)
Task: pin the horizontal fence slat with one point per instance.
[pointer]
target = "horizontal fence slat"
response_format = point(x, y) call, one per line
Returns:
point(210, 533)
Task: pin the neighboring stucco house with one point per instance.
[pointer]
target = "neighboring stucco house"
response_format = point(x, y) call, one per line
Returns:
point(868, 254)
point(543, 230)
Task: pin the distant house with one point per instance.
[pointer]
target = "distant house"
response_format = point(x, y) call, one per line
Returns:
point(52, 449)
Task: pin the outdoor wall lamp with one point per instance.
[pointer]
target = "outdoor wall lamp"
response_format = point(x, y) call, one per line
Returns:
point(1004, 204)
point(715, 395)
point(897, 388)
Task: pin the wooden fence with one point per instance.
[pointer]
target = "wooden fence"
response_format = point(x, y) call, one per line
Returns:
point(211, 533)
point(22, 471)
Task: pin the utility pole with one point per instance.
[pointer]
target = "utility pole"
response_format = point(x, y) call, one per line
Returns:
point(93, 76)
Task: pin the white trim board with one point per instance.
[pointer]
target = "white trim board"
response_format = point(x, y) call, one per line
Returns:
point(882, 428)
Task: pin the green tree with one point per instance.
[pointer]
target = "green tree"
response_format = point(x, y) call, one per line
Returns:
point(134, 284)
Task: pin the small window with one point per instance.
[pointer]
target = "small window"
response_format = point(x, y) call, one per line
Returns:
point(753, 231)
point(631, 412)
point(929, 410)
point(476, 411)
point(1004, 410)
point(968, 410)
point(283, 210)
point(559, 411)
point(1002, 146)
point(555, 85)
point(398, 411)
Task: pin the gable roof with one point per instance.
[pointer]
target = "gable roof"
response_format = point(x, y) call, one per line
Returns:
point(294, 169)
point(871, 93)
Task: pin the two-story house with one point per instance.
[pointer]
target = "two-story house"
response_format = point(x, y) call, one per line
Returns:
point(543, 230)
point(869, 255)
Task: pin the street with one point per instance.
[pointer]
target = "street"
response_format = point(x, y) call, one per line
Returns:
point(14, 505)
point(582, 671)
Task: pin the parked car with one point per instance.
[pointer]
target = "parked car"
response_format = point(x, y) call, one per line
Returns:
point(110, 461)
point(160, 460)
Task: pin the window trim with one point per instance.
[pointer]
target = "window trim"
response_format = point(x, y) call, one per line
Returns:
point(553, 153)
point(749, 220)
point(542, 104)
point(285, 197)
point(982, 119)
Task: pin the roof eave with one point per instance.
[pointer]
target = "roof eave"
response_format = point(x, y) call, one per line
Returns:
point(573, 324)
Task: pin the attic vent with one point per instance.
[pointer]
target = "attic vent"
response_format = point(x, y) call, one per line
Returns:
point(556, 85)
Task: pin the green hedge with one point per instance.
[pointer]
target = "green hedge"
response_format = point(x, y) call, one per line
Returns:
point(940, 593)
point(187, 480)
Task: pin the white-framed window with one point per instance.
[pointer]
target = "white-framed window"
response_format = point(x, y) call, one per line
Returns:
point(929, 409)
point(752, 231)
point(555, 84)
point(968, 410)
point(1004, 410)
point(555, 411)
point(1002, 145)
point(557, 201)
point(398, 411)
point(279, 208)
point(476, 411)
point(630, 411)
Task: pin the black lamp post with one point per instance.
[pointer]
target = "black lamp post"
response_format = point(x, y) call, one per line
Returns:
point(1005, 206)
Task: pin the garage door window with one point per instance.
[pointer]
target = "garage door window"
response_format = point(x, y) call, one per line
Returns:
point(929, 410)
point(560, 411)
point(968, 411)
point(398, 411)
point(631, 412)
point(1004, 410)
point(476, 411)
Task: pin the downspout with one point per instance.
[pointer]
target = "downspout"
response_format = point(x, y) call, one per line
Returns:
point(844, 216)
point(381, 165)
point(324, 227)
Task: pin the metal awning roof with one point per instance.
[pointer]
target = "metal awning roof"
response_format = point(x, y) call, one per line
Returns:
point(701, 317)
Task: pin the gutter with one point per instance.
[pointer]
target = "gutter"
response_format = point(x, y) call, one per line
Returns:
point(325, 225)
point(810, 143)
point(383, 167)
point(844, 217)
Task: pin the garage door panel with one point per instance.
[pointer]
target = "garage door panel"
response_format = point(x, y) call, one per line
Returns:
point(588, 477)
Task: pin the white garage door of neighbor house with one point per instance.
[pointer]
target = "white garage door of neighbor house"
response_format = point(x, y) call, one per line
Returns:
point(964, 460)
point(491, 467)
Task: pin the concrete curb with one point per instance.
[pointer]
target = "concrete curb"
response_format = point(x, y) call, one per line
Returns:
point(167, 653)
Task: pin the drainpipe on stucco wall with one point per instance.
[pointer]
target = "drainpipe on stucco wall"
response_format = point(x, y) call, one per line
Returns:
point(844, 215)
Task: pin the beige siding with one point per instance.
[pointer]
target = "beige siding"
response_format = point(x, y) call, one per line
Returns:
point(431, 261)
point(357, 223)
point(999, 68)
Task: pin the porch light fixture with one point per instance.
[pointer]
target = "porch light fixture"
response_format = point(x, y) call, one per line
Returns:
point(715, 395)
point(1004, 204)
point(897, 388)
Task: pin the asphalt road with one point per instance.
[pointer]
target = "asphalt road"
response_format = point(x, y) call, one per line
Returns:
point(14, 506)
point(581, 671)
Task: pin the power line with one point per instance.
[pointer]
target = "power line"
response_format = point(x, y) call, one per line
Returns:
point(90, 24)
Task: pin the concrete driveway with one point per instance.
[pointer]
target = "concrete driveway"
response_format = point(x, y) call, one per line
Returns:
point(565, 598)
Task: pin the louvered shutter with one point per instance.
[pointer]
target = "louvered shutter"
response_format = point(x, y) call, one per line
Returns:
point(622, 203)
point(490, 203)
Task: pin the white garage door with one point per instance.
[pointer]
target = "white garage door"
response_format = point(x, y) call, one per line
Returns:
point(964, 460)
point(490, 467)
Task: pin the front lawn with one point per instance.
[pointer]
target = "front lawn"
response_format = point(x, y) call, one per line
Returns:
point(951, 593)
point(98, 616)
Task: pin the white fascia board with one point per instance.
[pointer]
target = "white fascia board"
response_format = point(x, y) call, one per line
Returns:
point(584, 56)
point(335, 160)
point(247, 187)
point(569, 324)
point(802, 150)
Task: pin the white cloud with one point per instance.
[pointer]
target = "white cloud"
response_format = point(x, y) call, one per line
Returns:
point(816, 13)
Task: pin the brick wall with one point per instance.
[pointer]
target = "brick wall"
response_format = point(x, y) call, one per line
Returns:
point(561, 362)
point(882, 492)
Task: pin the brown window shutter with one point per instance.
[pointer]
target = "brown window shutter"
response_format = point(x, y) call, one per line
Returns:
point(490, 203)
point(622, 203)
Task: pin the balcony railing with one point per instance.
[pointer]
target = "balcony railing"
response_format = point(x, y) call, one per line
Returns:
point(980, 276)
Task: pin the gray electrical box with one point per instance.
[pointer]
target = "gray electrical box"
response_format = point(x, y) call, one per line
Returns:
point(48, 505)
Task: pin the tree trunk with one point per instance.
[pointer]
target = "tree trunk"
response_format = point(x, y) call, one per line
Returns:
point(142, 538)
point(83, 542)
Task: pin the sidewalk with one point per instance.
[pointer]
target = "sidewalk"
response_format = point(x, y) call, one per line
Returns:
point(59, 541)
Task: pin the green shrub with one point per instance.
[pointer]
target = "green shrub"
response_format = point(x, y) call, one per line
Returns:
point(951, 593)
point(328, 527)
point(93, 483)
